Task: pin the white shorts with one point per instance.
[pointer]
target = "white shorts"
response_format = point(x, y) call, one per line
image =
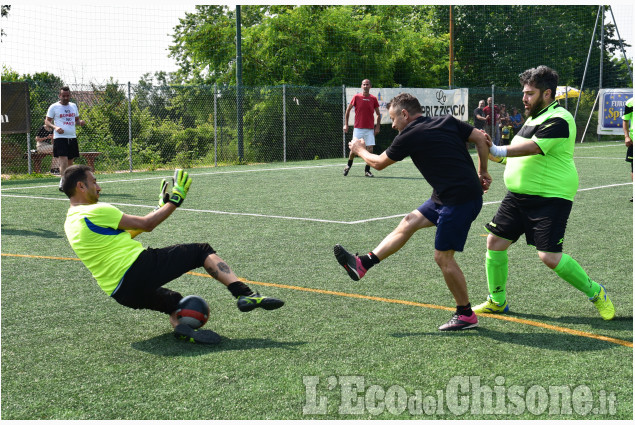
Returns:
point(368, 134)
point(44, 147)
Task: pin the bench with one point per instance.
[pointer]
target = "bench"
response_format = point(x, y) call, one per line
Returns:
point(37, 158)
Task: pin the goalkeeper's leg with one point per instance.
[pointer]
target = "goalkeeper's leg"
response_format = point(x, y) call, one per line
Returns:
point(247, 299)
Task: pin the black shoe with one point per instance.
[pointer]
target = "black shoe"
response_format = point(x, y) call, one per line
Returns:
point(346, 170)
point(249, 302)
point(197, 336)
point(369, 174)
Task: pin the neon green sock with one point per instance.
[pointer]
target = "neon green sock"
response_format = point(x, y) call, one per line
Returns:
point(496, 270)
point(569, 270)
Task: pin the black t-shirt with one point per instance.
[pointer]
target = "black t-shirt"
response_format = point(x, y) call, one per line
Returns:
point(479, 124)
point(43, 132)
point(436, 146)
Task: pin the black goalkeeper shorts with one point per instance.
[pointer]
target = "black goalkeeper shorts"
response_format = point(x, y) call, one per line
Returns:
point(141, 286)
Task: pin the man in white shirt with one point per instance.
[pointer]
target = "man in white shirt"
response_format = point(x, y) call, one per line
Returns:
point(62, 117)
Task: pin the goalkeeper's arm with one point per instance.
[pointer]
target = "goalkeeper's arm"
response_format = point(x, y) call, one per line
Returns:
point(137, 224)
point(167, 204)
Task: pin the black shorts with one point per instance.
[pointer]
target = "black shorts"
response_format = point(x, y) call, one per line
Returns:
point(629, 156)
point(141, 286)
point(65, 147)
point(542, 220)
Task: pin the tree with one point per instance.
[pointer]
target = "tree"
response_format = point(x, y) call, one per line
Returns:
point(312, 45)
point(493, 44)
point(4, 10)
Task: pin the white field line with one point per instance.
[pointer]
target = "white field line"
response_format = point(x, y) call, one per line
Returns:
point(281, 217)
point(101, 182)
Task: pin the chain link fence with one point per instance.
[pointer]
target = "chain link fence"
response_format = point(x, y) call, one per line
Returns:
point(145, 127)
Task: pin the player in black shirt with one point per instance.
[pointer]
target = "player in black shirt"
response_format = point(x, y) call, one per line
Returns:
point(437, 147)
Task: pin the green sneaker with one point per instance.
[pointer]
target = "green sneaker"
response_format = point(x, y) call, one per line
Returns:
point(490, 306)
point(249, 302)
point(604, 305)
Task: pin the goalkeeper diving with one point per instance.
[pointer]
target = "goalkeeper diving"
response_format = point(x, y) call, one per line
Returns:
point(102, 236)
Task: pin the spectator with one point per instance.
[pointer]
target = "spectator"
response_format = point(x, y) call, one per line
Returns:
point(63, 117)
point(44, 139)
point(492, 115)
point(516, 119)
point(479, 116)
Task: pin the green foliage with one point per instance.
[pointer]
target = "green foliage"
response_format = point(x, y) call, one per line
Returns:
point(496, 43)
point(312, 45)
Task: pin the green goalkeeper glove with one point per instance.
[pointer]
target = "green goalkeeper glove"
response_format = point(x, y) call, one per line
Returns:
point(181, 182)
point(164, 196)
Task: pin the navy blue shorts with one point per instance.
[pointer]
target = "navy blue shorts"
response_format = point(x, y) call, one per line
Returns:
point(141, 286)
point(453, 222)
point(542, 220)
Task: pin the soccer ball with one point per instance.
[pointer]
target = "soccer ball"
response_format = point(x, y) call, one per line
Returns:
point(192, 311)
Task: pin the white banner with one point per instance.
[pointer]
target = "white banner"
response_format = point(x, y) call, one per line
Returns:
point(612, 102)
point(434, 102)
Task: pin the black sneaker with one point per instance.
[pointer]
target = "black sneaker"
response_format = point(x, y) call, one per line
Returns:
point(249, 302)
point(369, 174)
point(346, 170)
point(197, 336)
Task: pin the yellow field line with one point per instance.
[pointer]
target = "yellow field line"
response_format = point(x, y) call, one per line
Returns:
point(507, 318)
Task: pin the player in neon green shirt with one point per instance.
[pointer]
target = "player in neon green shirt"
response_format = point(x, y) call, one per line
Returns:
point(542, 182)
point(102, 236)
point(627, 125)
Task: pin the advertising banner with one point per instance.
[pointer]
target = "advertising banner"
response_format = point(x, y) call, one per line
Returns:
point(612, 103)
point(434, 102)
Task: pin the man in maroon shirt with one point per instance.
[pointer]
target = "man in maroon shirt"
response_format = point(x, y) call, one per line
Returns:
point(366, 105)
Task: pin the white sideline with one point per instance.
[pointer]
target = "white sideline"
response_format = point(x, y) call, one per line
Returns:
point(281, 217)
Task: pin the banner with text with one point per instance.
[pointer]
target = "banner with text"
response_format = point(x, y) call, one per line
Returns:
point(16, 117)
point(612, 102)
point(434, 102)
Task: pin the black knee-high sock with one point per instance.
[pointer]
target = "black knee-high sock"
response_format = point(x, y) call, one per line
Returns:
point(350, 162)
point(367, 169)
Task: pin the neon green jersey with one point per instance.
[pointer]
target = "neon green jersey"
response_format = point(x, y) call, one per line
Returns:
point(105, 250)
point(551, 174)
point(628, 115)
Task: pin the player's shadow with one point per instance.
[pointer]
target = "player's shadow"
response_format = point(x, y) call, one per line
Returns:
point(554, 341)
point(548, 340)
point(167, 345)
point(388, 177)
point(619, 323)
point(40, 233)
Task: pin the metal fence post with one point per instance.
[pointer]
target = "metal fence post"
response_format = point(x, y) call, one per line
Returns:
point(28, 151)
point(284, 123)
point(129, 128)
point(493, 118)
point(215, 126)
point(343, 120)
